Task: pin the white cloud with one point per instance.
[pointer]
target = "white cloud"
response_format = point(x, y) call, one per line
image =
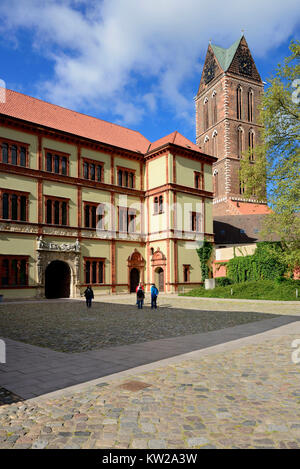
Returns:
point(101, 49)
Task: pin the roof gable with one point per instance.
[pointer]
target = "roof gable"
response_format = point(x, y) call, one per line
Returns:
point(174, 138)
point(225, 56)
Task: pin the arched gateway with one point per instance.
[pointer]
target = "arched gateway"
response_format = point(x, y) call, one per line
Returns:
point(57, 280)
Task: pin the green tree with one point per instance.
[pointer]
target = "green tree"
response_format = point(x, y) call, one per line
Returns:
point(277, 158)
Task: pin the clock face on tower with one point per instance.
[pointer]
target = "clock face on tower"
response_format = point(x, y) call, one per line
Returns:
point(245, 64)
point(209, 71)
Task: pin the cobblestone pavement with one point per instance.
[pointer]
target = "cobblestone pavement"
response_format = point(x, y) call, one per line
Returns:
point(67, 326)
point(247, 397)
point(214, 304)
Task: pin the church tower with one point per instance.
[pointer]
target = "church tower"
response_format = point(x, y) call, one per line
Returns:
point(227, 122)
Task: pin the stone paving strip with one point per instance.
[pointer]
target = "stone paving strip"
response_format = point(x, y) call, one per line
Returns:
point(242, 394)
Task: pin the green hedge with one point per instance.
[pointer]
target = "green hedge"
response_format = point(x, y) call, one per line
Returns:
point(263, 264)
point(223, 281)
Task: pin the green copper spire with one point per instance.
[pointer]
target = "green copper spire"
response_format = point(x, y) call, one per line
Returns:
point(225, 56)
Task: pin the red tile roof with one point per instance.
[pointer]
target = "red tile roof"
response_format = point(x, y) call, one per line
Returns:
point(46, 114)
point(39, 112)
point(175, 138)
point(247, 208)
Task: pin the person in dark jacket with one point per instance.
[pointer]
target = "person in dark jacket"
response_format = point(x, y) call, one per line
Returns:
point(89, 295)
point(140, 295)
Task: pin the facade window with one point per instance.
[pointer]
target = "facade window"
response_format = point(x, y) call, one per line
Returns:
point(14, 205)
point(93, 215)
point(242, 187)
point(239, 103)
point(216, 183)
point(206, 143)
point(215, 143)
point(56, 211)
point(94, 270)
point(199, 179)
point(196, 222)
point(57, 163)
point(205, 114)
point(250, 105)
point(251, 145)
point(14, 271)
point(240, 142)
point(14, 153)
point(186, 273)
point(93, 170)
point(158, 205)
point(214, 108)
point(127, 220)
point(126, 177)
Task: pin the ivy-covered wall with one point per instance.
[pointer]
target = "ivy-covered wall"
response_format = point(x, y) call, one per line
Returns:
point(263, 264)
point(204, 254)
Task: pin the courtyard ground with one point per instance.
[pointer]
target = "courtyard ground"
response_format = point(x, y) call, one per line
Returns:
point(243, 392)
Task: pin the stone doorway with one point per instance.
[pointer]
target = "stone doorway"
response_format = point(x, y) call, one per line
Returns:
point(134, 279)
point(159, 266)
point(57, 280)
point(160, 279)
point(136, 268)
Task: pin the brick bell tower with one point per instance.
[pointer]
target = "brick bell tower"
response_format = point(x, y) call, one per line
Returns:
point(227, 122)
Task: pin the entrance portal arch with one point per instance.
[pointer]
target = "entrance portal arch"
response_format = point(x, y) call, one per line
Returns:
point(57, 280)
point(136, 267)
point(160, 279)
point(159, 265)
point(134, 279)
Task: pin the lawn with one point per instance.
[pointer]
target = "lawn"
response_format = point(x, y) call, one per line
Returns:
point(262, 290)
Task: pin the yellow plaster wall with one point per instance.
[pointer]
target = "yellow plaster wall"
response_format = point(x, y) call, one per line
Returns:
point(23, 137)
point(20, 245)
point(208, 180)
point(65, 148)
point(185, 168)
point(208, 216)
point(18, 293)
point(170, 168)
point(157, 172)
point(188, 256)
point(95, 195)
point(188, 204)
point(230, 252)
point(22, 183)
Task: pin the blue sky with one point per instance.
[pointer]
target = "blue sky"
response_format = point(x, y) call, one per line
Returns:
point(136, 63)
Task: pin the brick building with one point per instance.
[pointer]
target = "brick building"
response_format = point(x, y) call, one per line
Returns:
point(227, 122)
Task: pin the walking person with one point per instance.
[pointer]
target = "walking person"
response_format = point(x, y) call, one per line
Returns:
point(89, 295)
point(140, 295)
point(154, 294)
